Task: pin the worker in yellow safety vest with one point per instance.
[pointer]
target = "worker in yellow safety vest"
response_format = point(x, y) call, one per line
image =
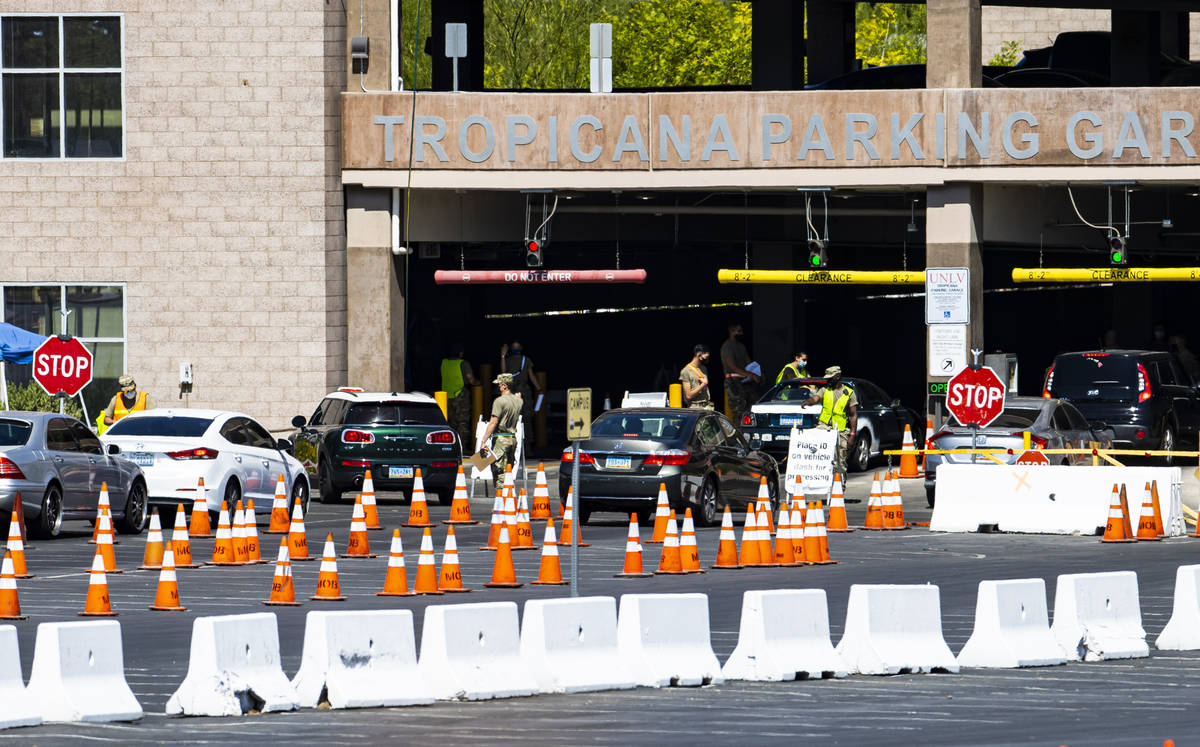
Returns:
point(797, 369)
point(839, 412)
point(128, 400)
point(456, 377)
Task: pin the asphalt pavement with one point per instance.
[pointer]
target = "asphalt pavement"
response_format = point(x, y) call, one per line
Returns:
point(1138, 701)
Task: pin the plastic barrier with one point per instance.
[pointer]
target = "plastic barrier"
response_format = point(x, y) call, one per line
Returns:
point(1046, 500)
point(1097, 616)
point(19, 708)
point(784, 635)
point(359, 659)
point(1182, 632)
point(1012, 627)
point(472, 652)
point(234, 668)
point(895, 630)
point(664, 639)
point(79, 673)
point(570, 645)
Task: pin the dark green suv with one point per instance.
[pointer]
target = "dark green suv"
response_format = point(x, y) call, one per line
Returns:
point(391, 434)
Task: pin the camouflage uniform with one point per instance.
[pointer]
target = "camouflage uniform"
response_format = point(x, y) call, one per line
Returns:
point(460, 419)
point(843, 438)
point(737, 392)
point(689, 376)
point(506, 409)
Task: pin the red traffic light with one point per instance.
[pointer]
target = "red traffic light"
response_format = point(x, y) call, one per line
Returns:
point(532, 245)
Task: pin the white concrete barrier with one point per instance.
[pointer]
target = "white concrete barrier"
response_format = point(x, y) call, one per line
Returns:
point(784, 635)
point(472, 652)
point(1012, 627)
point(1097, 616)
point(234, 668)
point(18, 708)
point(664, 639)
point(1182, 632)
point(895, 630)
point(359, 659)
point(570, 645)
point(1047, 500)
point(79, 673)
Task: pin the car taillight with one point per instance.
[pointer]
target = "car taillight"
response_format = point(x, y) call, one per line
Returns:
point(1049, 383)
point(199, 452)
point(1143, 384)
point(440, 437)
point(669, 458)
point(1139, 434)
point(1038, 442)
point(568, 456)
point(351, 436)
point(356, 463)
point(444, 465)
point(748, 419)
point(9, 470)
point(933, 440)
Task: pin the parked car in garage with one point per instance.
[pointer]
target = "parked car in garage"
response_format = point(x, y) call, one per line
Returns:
point(702, 459)
point(57, 465)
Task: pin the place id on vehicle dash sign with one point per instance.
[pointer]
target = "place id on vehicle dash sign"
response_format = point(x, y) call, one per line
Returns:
point(810, 455)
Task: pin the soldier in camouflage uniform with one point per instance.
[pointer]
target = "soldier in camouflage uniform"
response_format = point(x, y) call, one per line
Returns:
point(502, 426)
point(734, 360)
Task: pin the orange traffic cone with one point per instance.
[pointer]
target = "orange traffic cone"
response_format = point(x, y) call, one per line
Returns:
point(16, 547)
point(200, 525)
point(358, 546)
point(1114, 530)
point(766, 555)
point(727, 553)
point(104, 544)
point(370, 509)
point(812, 541)
point(540, 509)
point(524, 528)
point(241, 553)
point(328, 588)
point(893, 515)
point(797, 518)
point(223, 550)
point(1127, 514)
point(1147, 528)
point(493, 540)
point(98, 604)
point(395, 583)
point(670, 562)
point(874, 518)
point(418, 509)
point(510, 517)
point(503, 573)
point(460, 507)
point(20, 516)
point(633, 553)
point(569, 524)
point(450, 578)
point(426, 581)
point(297, 539)
point(102, 507)
point(749, 552)
point(822, 537)
point(1158, 519)
point(908, 459)
point(661, 514)
point(785, 552)
point(928, 442)
point(10, 602)
point(550, 571)
point(689, 551)
point(279, 509)
point(283, 592)
point(764, 505)
point(166, 598)
point(837, 508)
point(253, 552)
point(152, 556)
point(181, 544)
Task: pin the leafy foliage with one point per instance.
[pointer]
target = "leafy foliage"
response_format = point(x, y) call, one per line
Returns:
point(890, 33)
point(1009, 54)
point(33, 398)
point(664, 43)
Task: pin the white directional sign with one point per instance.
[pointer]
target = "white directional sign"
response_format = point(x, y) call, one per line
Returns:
point(947, 295)
point(947, 349)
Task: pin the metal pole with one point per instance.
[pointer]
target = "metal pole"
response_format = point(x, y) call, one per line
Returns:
point(974, 441)
point(574, 521)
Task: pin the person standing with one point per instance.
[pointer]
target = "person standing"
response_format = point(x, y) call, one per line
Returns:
point(456, 377)
point(502, 426)
point(734, 360)
point(839, 412)
point(797, 369)
point(128, 400)
point(514, 361)
point(694, 378)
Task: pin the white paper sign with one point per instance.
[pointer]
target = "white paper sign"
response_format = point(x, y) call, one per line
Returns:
point(947, 349)
point(644, 399)
point(486, 472)
point(947, 295)
point(810, 455)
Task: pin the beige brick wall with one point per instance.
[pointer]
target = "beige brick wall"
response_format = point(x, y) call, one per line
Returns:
point(1037, 27)
point(225, 218)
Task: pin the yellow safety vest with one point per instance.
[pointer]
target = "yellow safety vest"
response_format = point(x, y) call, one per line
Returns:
point(452, 378)
point(834, 413)
point(795, 370)
point(119, 410)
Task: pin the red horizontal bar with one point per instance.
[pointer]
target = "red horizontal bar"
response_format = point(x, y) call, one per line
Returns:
point(536, 277)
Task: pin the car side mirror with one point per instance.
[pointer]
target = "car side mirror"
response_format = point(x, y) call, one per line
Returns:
point(895, 403)
point(113, 449)
point(282, 444)
point(756, 443)
point(298, 421)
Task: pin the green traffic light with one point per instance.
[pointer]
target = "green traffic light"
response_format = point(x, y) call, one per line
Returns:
point(814, 260)
point(1117, 258)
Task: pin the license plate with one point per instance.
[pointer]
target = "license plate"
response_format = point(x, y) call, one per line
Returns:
point(396, 473)
point(616, 462)
point(982, 441)
point(141, 458)
point(791, 419)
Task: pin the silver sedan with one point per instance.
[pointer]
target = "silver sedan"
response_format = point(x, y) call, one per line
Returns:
point(57, 466)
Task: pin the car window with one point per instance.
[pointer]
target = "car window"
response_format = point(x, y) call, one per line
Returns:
point(1094, 377)
point(709, 433)
point(319, 413)
point(1060, 420)
point(160, 425)
point(1181, 376)
point(1078, 422)
point(394, 413)
point(58, 436)
point(731, 434)
point(257, 436)
point(1165, 373)
point(1016, 417)
point(14, 432)
point(233, 431)
point(793, 390)
point(88, 443)
point(869, 395)
point(335, 411)
point(640, 424)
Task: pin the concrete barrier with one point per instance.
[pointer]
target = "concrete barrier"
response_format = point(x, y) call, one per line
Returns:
point(79, 673)
point(1182, 632)
point(472, 652)
point(1097, 616)
point(18, 708)
point(359, 659)
point(234, 668)
point(664, 639)
point(1012, 627)
point(570, 645)
point(1047, 500)
point(784, 635)
point(895, 630)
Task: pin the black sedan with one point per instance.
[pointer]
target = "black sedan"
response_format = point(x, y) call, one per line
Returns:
point(702, 459)
point(881, 419)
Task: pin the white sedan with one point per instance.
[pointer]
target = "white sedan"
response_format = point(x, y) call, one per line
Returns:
point(236, 456)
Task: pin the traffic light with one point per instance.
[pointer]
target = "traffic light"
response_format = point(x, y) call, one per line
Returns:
point(816, 254)
point(533, 253)
point(1116, 250)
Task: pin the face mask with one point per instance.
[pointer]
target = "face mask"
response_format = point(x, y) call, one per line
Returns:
point(515, 351)
point(802, 364)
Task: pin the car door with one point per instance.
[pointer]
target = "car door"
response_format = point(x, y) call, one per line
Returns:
point(261, 441)
point(1060, 422)
point(878, 406)
point(751, 467)
point(71, 465)
point(247, 464)
point(102, 469)
point(1081, 432)
point(1183, 390)
point(711, 441)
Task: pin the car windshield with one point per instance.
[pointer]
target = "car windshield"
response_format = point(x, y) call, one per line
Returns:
point(395, 413)
point(160, 425)
point(794, 390)
point(640, 425)
point(1095, 377)
point(14, 432)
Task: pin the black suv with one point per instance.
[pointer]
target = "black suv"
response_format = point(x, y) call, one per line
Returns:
point(1144, 396)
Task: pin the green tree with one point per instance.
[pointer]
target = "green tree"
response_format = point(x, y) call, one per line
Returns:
point(33, 398)
point(889, 33)
point(665, 43)
point(1009, 54)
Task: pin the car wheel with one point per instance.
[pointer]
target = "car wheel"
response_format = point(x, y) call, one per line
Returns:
point(233, 493)
point(860, 454)
point(135, 510)
point(710, 502)
point(585, 515)
point(929, 496)
point(300, 494)
point(329, 494)
point(444, 497)
point(773, 492)
point(49, 521)
point(645, 517)
point(1167, 444)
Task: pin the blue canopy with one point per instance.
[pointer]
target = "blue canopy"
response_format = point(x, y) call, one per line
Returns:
point(17, 345)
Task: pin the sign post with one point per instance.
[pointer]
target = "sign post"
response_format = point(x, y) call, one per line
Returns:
point(975, 397)
point(579, 428)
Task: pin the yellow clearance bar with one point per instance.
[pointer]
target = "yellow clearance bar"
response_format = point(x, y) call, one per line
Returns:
point(1105, 274)
point(823, 277)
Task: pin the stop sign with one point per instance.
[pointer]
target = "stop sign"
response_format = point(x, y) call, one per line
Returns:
point(62, 366)
point(975, 396)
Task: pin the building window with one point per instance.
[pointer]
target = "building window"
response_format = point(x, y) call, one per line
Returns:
point(95, 314)
point(63, 93)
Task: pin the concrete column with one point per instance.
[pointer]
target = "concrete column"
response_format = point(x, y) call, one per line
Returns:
point(829, 39)
point(1136, 44)
point(954, 44)
point(374, 301)
point(1176, 34)
point(374, 22)
point(777, 45)
point(773, 325)
point(470, 68)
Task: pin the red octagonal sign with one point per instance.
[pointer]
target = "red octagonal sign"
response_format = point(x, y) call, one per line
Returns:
point(975, 396)
point(62, 366)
